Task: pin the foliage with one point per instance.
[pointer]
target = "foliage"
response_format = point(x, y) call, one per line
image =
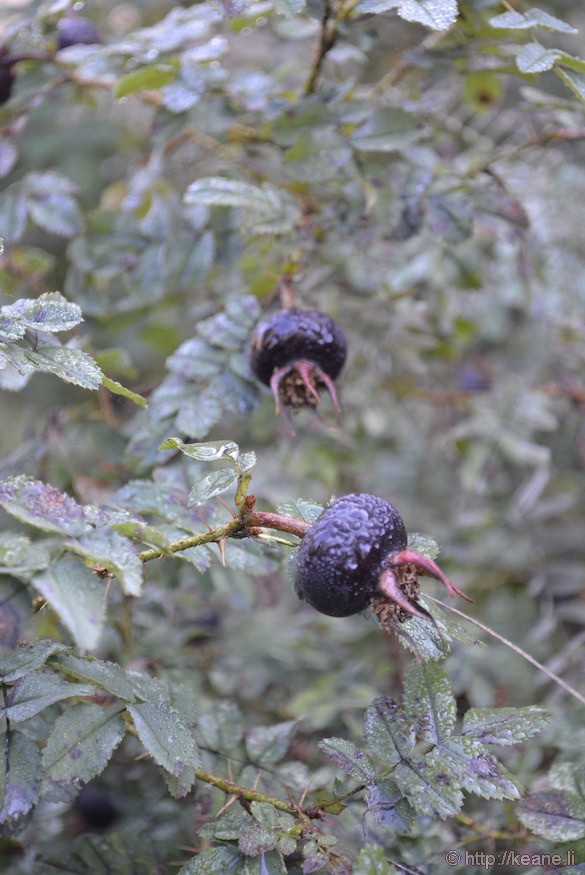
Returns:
point(413, 168)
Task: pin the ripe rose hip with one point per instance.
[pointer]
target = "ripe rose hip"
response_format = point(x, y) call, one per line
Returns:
point(298, 352)
point(354, 554)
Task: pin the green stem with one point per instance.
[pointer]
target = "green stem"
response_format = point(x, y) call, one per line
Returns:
point(246, 523)
point(243, 792)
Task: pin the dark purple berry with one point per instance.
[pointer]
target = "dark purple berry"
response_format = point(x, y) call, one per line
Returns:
point(74, 30)
point(297, 352)
point(354, 553)
point(96, 808)
point(7, 77)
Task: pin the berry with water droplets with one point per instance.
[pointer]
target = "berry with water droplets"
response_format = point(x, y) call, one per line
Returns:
point(355, 553)
point(297, 352)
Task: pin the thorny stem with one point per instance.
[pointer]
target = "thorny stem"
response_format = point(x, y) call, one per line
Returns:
point(243, 792)
point(240, 525)
point(327, 40)
point(550, 674)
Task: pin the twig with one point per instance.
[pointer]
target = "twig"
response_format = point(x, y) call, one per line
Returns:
point(550, 674)
point(327, 39)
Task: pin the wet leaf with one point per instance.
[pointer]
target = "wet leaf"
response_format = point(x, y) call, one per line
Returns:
point(213, 484)
point(164, 735)
point(504, 725)
point(49, 312)
point(37, 691)
point(82, 742)
point(43, 506)
point(20, 768)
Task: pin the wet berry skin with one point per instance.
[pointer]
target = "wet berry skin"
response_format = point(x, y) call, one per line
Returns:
point(342, 556)
point(6, 79)
point(76, 30)
point(296, 334)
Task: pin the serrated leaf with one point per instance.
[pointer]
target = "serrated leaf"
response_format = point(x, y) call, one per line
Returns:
point(19, 556)
point(21, 768)
point(349, 757)
point(372, 861)
point(534, 58)
point(574, 81)
point(387, 130)
point(42, 506)
point(436, 14)
point(28, 658)
point(227, 827)
point(10, 329)
point(117, 389)
point(37, 691)
point(531, 18)
point(49, 312)
point(301, 509)
point(266, 745)
point(208, 452)
point(213, 861)
point(149, 78)
point(115, 553)
point(125, 853)
point(388, 736)
point(558, 817)
point(268, 210)
point(196, 360)
point(77, 596)
point(388, 806)
point(198, 414)
point(213, 484)
point(504, 726)
point(82, 742)
point(56, 213)
point(480, 772)
point(109, 676)
point(13, 214)
point(72, 365)
point(164, 735)
point(430, 702)
point(426, 790)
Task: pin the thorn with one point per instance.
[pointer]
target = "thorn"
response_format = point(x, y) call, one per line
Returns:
point(223, 504)
point(426, 565)
point(221, 545)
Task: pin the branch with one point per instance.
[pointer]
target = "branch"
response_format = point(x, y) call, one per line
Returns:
point(245, 524)
point(327, 39)
point(243, 792)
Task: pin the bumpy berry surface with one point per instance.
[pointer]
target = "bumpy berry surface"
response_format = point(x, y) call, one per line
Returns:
point(77, 31)
point(296, 334)
point(343, 554)
point(6, 82)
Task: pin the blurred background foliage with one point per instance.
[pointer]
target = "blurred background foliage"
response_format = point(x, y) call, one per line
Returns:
point(425, 187)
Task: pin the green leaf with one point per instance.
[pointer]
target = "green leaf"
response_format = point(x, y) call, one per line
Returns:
point(196, 360)
point(213, 861)
point(209, 452)
point(43, 506)
point(37, 691)
point(531, 18)
point(424, 544)
point(125, 853)
point(109, 676)
point(430, 702)
point(387, 734)
point(268, 210)
point(267, 745)
point(558, 817)
point(164, 735)
point(213, 484)
point(574, 81)
point(21, 767)
point(117, 389)
point(349, 757)
point(72, 365)
point(422, 782)
point(13, 214)
point(372, 861)
point(388, 806)
point(49, 312)
point(77, 596)
point(56, 213)
point(82, 742)
point(28, 658)
point(504, 726)
point(436, 14)
point(534, 58)
point(198, 414)
point(10, 329)
point(146, 79)
point(387, 130)
point(115, 553)
point(301, 509)
point(19, 556)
